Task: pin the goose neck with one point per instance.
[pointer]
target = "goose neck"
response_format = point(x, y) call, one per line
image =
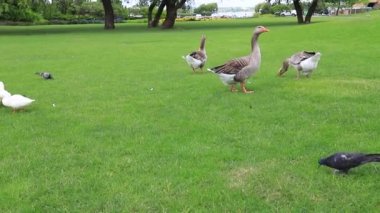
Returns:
point(254, 41)
point(203, 43)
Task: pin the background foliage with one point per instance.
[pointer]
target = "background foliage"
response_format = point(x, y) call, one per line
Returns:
point(206, 9)
point(58, 11)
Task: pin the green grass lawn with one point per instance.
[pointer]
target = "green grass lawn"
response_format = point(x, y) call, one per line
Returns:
point(134, 130)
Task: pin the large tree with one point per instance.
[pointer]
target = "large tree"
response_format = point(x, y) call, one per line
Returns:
point(143, 3)
point(311, 11)
point(299, 10)
point(109, 17)
point(153, 22)
point(171, 6)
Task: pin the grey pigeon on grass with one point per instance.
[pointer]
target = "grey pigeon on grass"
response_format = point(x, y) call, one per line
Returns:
point(45, 75)
point(346, 161)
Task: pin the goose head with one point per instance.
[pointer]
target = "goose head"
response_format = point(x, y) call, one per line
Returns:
point(1, 85)
point(260, 29)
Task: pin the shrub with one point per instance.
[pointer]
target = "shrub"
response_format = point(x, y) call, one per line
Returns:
point(263, 8)
point(279, 8)
point(23, 15)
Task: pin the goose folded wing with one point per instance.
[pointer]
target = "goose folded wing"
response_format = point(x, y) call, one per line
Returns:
point(301, 56)
point(233, 66)
point(198, 55)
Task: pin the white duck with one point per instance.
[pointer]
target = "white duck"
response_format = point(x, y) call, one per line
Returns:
point(2, 87)
point(3, 92)
point(240, 69)
point(304, 62)
point(197, 59)
point(16, 102)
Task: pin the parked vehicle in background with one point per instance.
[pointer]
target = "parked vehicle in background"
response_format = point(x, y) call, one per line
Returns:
point(288, 13)
point(285, 13)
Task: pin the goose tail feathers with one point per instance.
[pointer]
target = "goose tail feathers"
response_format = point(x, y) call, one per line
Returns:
point(210, 70)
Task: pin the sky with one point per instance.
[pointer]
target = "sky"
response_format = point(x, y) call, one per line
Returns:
point(221, 3)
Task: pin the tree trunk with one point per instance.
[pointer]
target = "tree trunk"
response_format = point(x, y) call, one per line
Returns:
point(109, 22)
point(337, 10)
point(171, 12)
point(171, 15)
point(299, 10)
point(180, 4)
point(311, 11)
point(150, 12)
point(157, 17)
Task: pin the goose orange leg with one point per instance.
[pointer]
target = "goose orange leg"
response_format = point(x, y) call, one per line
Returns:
point(233, 88)
point(244, 89)
point(298, 73)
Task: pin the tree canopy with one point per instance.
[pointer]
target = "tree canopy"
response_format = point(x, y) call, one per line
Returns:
point(89, 11)
point(206, 9)
point(171, 6)
point(58, 11)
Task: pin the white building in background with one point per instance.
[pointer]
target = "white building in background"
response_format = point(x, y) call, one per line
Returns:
point(234, 14)
point(221, 3)
point(230, 3)
point(231, 8)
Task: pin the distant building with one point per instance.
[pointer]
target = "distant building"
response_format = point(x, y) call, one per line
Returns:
point(234, 12)
point(359, 5)
point(375, 4)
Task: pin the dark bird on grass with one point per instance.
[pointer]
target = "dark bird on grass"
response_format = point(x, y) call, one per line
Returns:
point(304, 62)
point(345, 161)
point(45, 75)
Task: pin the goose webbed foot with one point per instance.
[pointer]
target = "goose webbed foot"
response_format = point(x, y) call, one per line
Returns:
point(298, 74)
point(233, 88)
point(244, 89)
point(247, 91)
